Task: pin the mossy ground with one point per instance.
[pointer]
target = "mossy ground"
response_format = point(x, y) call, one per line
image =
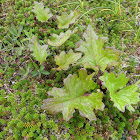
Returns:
point(21, 94)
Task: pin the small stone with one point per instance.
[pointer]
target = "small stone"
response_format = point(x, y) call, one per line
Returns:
point(130, 120)
point(133, 132)
point(129, 138)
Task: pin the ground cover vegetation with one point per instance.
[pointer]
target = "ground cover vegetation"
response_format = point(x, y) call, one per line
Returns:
point(69, 70)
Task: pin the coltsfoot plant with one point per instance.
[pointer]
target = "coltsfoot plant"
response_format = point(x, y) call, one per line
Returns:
point(81, 92)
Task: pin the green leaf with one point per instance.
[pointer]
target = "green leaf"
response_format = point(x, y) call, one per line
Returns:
point(13, 30)
point(87, 85)
point(19, 44)
point(95, 56)
point(34, 73)
point(121, 96)
point(39, 52)
point(20, 29)
point(39, 74)
point(36, 66)
point(0, 45)
point(42, 14)
point(9, 39)
point(41, 68)
point(64, 60)
point(45, 72)
point(65, 20)
point(72, 96)
point(58, 40)
point(25, 71)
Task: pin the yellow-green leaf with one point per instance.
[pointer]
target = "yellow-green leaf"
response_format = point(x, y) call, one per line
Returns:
point(121, 96)
point(65, 20)
point(39, 52)
point(42, 14)
point(95, 56)
point(72, 96)
point(58, 40)
point(64, 60)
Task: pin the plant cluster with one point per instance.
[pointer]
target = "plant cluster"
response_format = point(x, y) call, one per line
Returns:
point(81, 92)
point(87, 83)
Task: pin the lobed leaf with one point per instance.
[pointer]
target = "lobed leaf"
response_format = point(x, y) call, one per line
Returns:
point(87, 85)
point(72, 96)
point(64, 60)
point(39, 52)
point(121, 96)
point(95, 56)
point(42, 14)
point(58, 40)
point(65, 20)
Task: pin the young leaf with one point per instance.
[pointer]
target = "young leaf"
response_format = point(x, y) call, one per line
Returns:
point(24, 72)
point(72, 96)
point(121, 96)
point(64, 60)
point(13, 30)
point(41, 68)
point(39, 52)
point(58, 40)
point(95, 56)
point(42, 14)
point(34, 73)
point(20, 28)
point(45, 72)
point(36, 66)
point(65, 20)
